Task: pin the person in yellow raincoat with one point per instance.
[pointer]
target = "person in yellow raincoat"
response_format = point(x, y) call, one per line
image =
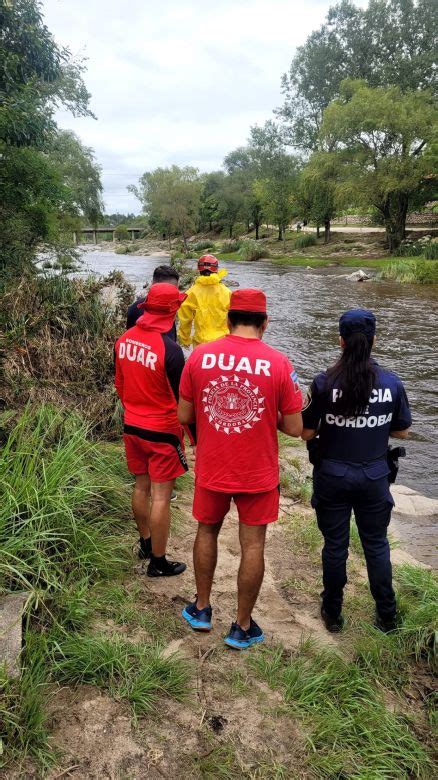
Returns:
point(206, 305)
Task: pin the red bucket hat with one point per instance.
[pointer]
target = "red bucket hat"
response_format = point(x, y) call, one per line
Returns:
point(160, 306)
point(248, 300)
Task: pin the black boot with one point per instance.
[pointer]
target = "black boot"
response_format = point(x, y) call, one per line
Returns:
point(161, 567)
point(332, 624)
point(386, 625)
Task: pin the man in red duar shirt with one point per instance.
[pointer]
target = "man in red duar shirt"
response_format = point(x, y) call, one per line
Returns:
point(148, 370)
point(240, 391)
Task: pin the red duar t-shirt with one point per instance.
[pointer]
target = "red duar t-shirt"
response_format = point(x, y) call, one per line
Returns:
point(238, 386)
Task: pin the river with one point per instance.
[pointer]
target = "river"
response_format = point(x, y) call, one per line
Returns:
point(304, 307)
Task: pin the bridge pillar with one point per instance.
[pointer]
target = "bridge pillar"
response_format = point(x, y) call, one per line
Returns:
point(95, 236)
point(132, 235)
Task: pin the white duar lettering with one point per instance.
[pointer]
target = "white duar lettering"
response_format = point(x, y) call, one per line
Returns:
point(208, 360)
point(140, 356)
point(122, 350)
point(221, 362)
point(131, 351)
point(151, 359)
point(244, 365)
point(262, 367)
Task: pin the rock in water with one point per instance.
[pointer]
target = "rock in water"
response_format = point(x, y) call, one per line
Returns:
point(359, 276)
point(11, 617)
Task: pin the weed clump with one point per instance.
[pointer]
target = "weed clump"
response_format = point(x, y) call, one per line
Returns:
point(304, 240)
point(252, 250)
point(414, 271)
point(59, 341)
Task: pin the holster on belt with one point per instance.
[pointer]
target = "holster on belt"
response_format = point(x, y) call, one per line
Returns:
point(392, 456)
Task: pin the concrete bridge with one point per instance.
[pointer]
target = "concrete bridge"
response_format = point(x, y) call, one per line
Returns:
point(95, 232)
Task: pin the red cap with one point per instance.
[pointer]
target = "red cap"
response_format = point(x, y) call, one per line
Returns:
point(163, 298)
point(208, 263)
point(248, 300)
point(160, 307)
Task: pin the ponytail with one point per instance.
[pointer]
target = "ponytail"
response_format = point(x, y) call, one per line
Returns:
point(354, 374)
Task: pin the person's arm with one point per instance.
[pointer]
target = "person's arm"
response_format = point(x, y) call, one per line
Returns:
point(290, 402)
point(134, 313)
point(186, 315)
point(401, 418)
point(311, 413)
point(186, 411)
point(118, 375)
point(291, 424)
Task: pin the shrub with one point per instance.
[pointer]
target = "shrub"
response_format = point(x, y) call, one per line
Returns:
point(304, 240)
point(415, 271)
point(409, 249)
point(59, 341)
point(231, 245)
point(121, 250)
point(252, 250)
point(431, 251)
point(199, 246)
point(121, 233)
point(61, 499)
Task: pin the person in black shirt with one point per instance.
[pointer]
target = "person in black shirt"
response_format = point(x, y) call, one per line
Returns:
point(163, 273)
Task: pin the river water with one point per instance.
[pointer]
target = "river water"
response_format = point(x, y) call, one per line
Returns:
point(304, 307)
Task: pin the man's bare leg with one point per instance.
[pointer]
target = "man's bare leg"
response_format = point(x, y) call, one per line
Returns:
point(204, 561)
point(141, 498)
point(159, 522)
point(251, 570)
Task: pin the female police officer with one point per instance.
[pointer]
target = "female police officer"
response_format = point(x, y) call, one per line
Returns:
point(353, 408)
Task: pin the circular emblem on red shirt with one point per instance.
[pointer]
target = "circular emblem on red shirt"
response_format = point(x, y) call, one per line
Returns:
point(232, 405)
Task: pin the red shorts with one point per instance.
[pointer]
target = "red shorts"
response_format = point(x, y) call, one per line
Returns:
point(210, 506)
point(162, 460)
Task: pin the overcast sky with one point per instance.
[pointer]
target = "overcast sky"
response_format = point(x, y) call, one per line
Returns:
point(176, 81)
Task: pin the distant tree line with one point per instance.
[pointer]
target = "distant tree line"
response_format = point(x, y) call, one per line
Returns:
point(358, 128)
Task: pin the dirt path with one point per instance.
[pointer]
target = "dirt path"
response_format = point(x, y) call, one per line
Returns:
point(230, 719)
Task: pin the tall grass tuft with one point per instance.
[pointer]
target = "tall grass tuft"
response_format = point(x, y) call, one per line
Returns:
point(304, 240)
point(411, 270)
point(62, 499)
point(138, 673)
point(252, 250)
point(350, 731)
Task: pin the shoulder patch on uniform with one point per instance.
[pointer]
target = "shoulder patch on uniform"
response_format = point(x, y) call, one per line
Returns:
point(307, 400)
point(295, 382)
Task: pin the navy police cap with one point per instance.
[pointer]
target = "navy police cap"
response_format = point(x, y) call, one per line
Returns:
point(357, 321)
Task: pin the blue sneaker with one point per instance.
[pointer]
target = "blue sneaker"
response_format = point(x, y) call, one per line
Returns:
point(198, 619)
point(239, 639)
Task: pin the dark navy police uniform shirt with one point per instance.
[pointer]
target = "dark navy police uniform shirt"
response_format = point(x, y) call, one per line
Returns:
point(363, 438)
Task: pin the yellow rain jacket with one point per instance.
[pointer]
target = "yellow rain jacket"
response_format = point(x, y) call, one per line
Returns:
point(206, 305)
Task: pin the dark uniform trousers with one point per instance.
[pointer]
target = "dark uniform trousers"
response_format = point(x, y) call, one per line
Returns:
point(339, 488)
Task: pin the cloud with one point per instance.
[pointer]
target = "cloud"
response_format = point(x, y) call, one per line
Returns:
point(175, 82)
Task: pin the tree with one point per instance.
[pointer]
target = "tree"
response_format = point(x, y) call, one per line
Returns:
point(243, 168)
point(392, 42)
point(381, 137)
point(317, 191)
point(276, 181)
point(171, 198)
point(36, 77)
point(209, 203)
point(230, 202)
point(80, 174)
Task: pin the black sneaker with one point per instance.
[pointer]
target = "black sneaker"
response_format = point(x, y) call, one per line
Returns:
point(161, 567)
point(332, 624)
point(144, 549)
point(386, 625)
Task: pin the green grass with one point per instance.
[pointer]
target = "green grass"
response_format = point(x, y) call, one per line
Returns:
point(134, 608)
point(64, 502)
point(303, 530)
point(350, 732)
point(136, 672)
point(411, 270)
point(23, 728)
